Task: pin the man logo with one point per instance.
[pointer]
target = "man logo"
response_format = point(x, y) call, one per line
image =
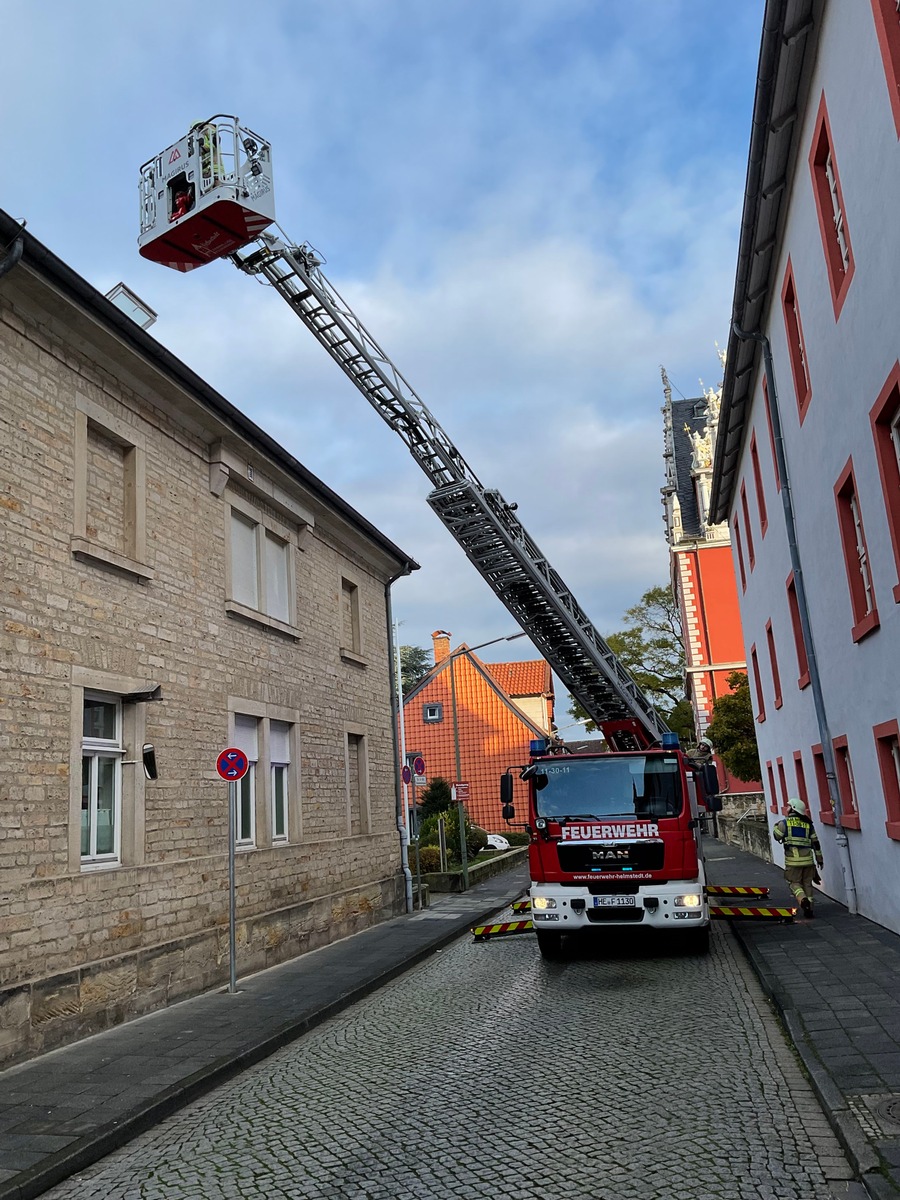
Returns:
point(609, 855)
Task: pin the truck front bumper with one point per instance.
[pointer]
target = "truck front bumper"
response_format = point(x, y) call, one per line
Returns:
point(670, 906)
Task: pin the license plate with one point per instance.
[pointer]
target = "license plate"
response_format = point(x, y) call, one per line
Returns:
point(614, 902)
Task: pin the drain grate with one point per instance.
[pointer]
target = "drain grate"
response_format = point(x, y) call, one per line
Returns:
point(878, 1113)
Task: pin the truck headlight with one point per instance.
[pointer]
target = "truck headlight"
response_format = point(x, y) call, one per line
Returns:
point(543, 902)
point(690, 900)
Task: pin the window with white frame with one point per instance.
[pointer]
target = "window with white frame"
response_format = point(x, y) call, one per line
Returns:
point(432, 713)
point(280, 768)
point(101, 779)
point(246, 738)
point(260, 567)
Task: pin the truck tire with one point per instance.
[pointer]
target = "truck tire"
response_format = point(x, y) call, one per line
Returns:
point(697, 941)
point(549, 944)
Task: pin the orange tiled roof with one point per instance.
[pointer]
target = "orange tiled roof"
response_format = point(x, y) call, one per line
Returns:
point(530, 678)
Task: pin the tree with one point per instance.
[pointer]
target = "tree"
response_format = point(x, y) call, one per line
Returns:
point(732, 730)
point(650, 648)
point(415, 663)
point(436, 798)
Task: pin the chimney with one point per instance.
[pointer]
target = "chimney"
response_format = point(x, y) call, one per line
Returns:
point(441, 640)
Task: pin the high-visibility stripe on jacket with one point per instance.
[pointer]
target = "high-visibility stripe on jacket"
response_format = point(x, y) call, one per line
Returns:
point(797, 835)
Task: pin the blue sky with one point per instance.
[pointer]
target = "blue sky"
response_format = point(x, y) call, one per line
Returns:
point(531, 204)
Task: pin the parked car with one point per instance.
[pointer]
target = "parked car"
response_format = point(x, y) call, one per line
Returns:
point(496, 841)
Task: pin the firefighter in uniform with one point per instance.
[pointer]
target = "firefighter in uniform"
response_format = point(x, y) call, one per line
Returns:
point(802, 852)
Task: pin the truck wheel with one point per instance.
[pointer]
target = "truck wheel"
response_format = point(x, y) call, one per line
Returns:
point(549, 944)
point(697, 941)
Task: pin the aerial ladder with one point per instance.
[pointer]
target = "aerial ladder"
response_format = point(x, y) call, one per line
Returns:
point(209, 196)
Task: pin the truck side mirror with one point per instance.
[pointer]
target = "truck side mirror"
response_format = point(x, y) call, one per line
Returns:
point(709, 777)
point(713, 804)
point(506, 790)
point(508, 812)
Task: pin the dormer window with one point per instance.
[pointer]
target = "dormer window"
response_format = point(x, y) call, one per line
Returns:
point(432, 713)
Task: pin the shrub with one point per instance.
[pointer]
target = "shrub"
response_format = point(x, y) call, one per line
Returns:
point(429, 858)
point(476, 839)
point(436, 798)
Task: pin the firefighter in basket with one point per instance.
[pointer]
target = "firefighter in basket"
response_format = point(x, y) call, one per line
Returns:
point(802, 852)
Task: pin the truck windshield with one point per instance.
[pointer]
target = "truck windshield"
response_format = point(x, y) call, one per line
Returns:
point(643, 785)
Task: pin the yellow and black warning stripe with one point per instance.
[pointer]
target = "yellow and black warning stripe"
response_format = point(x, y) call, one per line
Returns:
point(718, 889)
point(775, 914)
point(521, 906)
point(501, 929)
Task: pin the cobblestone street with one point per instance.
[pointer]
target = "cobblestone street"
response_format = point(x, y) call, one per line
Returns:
point(487, 1072)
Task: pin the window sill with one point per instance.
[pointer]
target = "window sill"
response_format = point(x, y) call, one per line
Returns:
point(826, 816)
point(850, 821)
point(88, 551)
point(778, 702)
point(893, 829)
point(896, 592)
point(257, 618)
point(352, 656)
point(106, 865)
point(760, 720)
point(803, 681)
point(864, 627)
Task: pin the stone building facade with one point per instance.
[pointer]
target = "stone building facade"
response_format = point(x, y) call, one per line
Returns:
point(169, 575)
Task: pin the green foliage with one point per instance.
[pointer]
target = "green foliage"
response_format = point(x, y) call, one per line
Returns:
point(429, 858)
point(415, 663)
point(476, 839)
point(436, 798)
point(681, 721)
point(517, 839)
point(732, 730)
point(650, 648)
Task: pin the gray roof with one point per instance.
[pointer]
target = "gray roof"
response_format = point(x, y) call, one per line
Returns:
point(683, 413)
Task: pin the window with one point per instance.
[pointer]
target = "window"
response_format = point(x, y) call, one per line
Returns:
point(760, 702)
point(773, 795)
point(261, 570)
point(885, 419)
point(782, 781)
point(280, 767)
point(846, 784)
point(826, 813)
point(887, 26)
point(757, 479)
point(109, 526)
point(246, 738)
point(797, 626)
point(351, 637)
point(856, 556)
point(773, 661)
point(887, 745)
point(800, 772)
point(745, 509)
point(796, 347)
point(830, 210)
point(101, 779)
point(432, 713)
point(736, 529)
point(357, 785)
point(765, 388)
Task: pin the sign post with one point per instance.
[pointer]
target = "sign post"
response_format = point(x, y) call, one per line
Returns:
point(460, 793)
point(232, 764)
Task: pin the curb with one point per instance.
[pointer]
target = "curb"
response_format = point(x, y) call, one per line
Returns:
point(34, 1181)
point(862, 1157)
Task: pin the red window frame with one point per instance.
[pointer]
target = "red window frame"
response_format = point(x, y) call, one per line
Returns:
point(773, 801)
point(773, 662)
point(887, 747)
point(856, 554)
point(736, 528)
point(757, 479)
point(828, 196)
point(799, 643)
point(782, 780)
point(793, 328)
point(887, 26)
point(745, 509)
point(760, 702)
point(885, 419)
point(826, 812)
point(843, 770)
point(765, 390)
point(800, 772)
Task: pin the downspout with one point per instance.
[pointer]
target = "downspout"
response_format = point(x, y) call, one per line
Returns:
point(840, 835)
point(398, 795)
point(12, 257)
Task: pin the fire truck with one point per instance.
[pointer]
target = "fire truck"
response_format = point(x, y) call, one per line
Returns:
point(614, 837)
point(615, 841)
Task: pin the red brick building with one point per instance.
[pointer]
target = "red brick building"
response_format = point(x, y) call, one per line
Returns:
point(471, 720)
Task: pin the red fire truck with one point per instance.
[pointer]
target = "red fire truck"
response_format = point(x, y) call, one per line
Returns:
point(615, 841)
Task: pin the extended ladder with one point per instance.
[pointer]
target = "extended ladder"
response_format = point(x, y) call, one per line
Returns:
point(479, 518)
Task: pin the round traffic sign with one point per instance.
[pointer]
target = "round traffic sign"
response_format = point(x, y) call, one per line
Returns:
point(406, 774)
point(419, 765)
point(232, 764)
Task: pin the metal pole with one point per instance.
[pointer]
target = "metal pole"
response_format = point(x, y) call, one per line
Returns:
point(463, 848)
point(232, 965)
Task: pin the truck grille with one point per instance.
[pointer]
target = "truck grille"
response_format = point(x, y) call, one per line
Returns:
point(589, 856)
